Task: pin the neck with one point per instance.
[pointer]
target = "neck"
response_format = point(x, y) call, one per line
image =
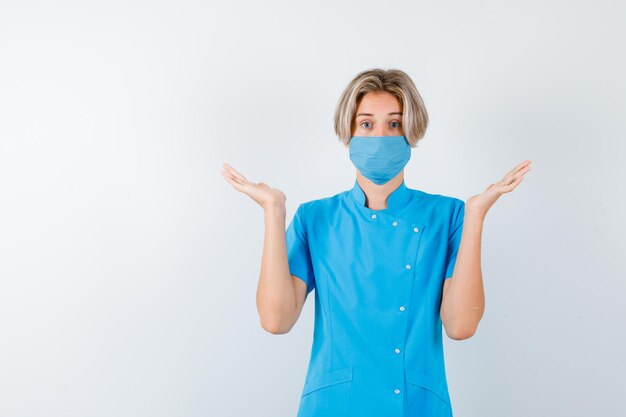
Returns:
point(376, 195)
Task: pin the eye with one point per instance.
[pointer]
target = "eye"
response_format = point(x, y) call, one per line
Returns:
point(395, 121)
point(364, 123)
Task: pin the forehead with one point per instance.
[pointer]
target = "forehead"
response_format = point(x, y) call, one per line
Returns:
point(379, 103)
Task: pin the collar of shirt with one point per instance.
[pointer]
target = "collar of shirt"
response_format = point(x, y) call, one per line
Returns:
point(397, 200)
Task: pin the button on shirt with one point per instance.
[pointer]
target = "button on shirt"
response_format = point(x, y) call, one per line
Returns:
point(378, 277)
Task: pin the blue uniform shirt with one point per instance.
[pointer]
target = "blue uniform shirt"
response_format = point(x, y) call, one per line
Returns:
point(378, 274)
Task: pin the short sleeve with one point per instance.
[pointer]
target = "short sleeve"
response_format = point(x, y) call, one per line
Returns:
point(454, 241)
point(298, 252)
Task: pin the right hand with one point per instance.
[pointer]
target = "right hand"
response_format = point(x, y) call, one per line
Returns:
point(262, 193)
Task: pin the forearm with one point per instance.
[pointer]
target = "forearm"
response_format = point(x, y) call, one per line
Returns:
point(464, 301)
point(276, 299)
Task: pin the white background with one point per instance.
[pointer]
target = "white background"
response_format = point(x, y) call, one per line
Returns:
point(128, 265)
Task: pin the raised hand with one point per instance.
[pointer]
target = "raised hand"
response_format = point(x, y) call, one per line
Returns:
point(482, 202)
point(262, 193)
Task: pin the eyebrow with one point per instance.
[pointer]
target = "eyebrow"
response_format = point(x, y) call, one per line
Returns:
point(370, 114)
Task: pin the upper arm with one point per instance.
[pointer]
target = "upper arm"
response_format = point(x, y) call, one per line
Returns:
point(299, 251)
point(301, 291)
point(454, 240)
point(442, 309)
point(446, 284)
point(452, 250)
point(300, 261)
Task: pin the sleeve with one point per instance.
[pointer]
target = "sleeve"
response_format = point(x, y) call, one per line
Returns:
point(454, 241)
point(298, 252)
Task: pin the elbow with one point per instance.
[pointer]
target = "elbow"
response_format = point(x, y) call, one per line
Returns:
point(276, 318)
point(461, 333)
point(275, 327)
point(463, 327)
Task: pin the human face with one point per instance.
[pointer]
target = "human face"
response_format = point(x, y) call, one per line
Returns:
point(378, 114)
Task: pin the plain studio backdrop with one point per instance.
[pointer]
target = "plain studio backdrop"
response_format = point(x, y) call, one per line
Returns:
point(129, 266)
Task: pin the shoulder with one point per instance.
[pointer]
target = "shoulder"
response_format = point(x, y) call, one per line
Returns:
point(440, 200)
point(324, 203)
point(444, 207)
point(320, 206)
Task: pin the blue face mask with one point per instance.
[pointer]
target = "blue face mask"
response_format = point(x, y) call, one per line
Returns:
point(379, 158)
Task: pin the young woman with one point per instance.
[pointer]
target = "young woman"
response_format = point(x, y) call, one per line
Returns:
point(389, 264)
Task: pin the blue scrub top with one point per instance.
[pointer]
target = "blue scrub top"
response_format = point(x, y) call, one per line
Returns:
point(378, 274)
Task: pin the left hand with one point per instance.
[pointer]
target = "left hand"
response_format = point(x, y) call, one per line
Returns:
point(482, 202)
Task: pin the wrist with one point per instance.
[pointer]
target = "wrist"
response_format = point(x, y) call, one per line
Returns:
point(474, 215)
point(275, 209)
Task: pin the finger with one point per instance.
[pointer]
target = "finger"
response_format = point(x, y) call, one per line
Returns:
point(507, 181)
point(228, 175)
point(241, 187)
point(521, 171)
point(236, 178)
point(232, 171)
point(511, 186)
point(517, 168)
point(235, 173)
point(232, 181)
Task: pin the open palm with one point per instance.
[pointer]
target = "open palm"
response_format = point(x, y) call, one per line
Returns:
point(482, 202)
point(262, 193)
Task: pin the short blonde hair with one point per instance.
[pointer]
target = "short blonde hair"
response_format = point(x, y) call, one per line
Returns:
point(394, 81)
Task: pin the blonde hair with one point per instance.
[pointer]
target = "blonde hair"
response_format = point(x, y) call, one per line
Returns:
point(394, 81)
